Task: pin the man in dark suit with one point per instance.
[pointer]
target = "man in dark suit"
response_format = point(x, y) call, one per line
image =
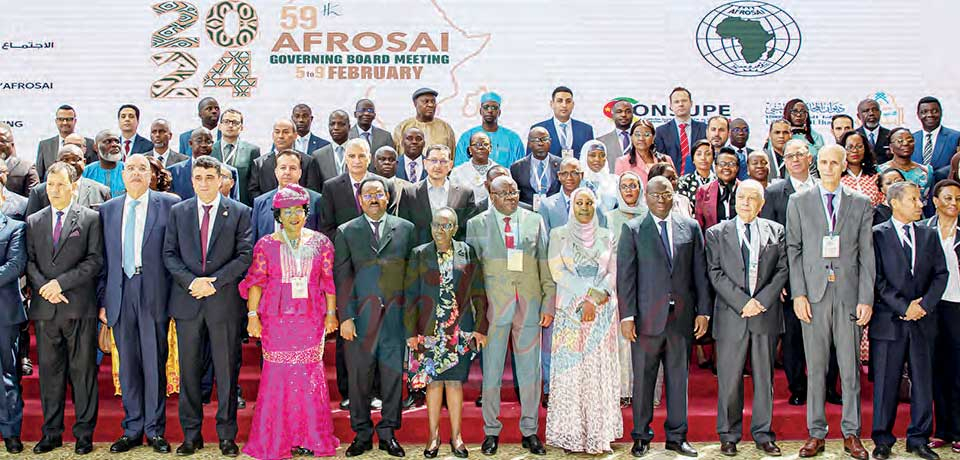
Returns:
point(160, 135)
point(11, 204)
point(65, 248)
point(128, 117)
point(208, 109)
point(262, 177)
point(437, 191)
point(66, 119)
point(329, 158)
point(236, 153)
point(676, 136)
point(133, 292)
point(911, 278)
point(410, 167)
point(660, 303)
point(868, 112)
point(370, 263)
point(739, 135)
point(13, 247)
point(536, 173)
point(934, 144)
point(21, 173)
point(206, 267)
point(569, 134)
point(89, 193)
point(288, 172)
point(306, 142)
point(181, 180)
point(366, 113)
point(747, 266)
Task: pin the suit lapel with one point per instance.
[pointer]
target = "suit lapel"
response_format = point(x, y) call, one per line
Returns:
point(222, 215)
point(69, 225)
point(495, 241)
point(83, 192)
point(153, 208)
point(387, 232)
point(732, 236)
point(678, 231)
point(842, 213)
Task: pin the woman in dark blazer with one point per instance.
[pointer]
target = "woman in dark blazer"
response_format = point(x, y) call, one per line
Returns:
point(446, 322)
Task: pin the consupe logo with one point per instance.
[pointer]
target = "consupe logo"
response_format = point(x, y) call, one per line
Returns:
point(748, 38)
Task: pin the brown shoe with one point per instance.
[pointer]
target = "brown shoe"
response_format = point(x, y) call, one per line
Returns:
point(852, 446)
point(770, 448)
point(811, 448)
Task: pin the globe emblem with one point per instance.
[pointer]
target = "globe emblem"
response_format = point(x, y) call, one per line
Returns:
point(748, 38)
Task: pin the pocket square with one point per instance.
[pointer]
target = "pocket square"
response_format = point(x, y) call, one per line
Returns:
point(73, 234)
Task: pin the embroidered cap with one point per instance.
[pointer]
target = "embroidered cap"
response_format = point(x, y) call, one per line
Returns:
point(289, 196)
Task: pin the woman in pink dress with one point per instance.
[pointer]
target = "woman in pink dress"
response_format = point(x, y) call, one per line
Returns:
point(291, 306)
point(641, 154)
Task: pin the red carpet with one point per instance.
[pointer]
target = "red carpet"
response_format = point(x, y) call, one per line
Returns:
point(789, 421)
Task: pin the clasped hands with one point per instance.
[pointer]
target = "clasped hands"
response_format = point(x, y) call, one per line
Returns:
point(914, 311)
point(52, 292)
point(202, 287)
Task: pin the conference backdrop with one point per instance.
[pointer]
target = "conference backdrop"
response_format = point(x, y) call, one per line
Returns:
point(739, 58)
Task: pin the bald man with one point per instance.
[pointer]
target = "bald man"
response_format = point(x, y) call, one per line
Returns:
point(262, 176)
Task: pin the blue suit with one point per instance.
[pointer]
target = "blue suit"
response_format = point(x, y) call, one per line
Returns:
point(403, 173)
point(263, 222)
point(182, 184)
point(185, 142)
point(943, 150)
point(14, 249)
point(520, 171)
point(582, 133)
point(140, 144)
point(137, 311)
point(667, 142)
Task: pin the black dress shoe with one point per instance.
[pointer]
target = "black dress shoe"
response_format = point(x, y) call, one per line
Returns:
point(533, 443)
point(301, 452)
point(228, 448)
point(923, 452)
point(83, 446)
point(728, 448)
point(189, 448)
point(545, 400)
point(125, 443)
point(797, 399)
point(682, 447)
point(47, 444)
point(241, 403)
point(408, 402)
point(358, 447)
point(640, 448)
point(160, 445)
point(26, 366)
point(13, 444)
point(459, 452)
point(770, 448)
point(205, 398)
point(345, 404)
point(479, 401)
point(834, 398)
point(881, 452)
point(392, 447)
point(490, 445)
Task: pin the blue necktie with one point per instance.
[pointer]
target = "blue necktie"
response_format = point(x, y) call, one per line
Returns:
point(907, 250)
point(665, 240)
point(540, 186)
point(129, 230)
point(745, 252)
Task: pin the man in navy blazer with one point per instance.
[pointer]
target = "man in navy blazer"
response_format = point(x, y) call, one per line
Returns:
point(288, 171)
point(411, 161)
point(568, 134)
point(181, 182)
point(13, 247)
point(128, 117)
point(208, 109)
point(911, 277)
point(306, 142)
point(669, 139)
point(536, 183)
point(935, 144)
point(207, 247)
point(133, 291)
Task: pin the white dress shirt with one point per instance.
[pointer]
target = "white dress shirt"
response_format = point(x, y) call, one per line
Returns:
point(800, 186)
point(140, 222)
point(417, 170)
point(933, 139)
point(514, 226)
point(904, 241)
point(63, 219)
point(952, 293)
point(689, 131)
point(338, 156)
point(379, 231)
point(754, 245)
point(213, 217)
point(302, 143)
point(438, 195)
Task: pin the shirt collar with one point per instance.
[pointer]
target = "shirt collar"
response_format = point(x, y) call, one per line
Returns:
point(371, 221)
point(501, 215)
point(445, 187)
point(657, 220)
point(215, 203)
point(145, 198)
point(360, 131)
point(65, 210)
point(899, 225)
point(796, 182)
point(934, 133)
point(678, 121)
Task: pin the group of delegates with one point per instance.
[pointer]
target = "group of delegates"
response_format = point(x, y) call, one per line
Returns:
point(598, 262)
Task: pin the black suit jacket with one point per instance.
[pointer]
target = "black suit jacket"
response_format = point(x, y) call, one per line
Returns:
point(263, 178)
point(644, 292)
point(370, 279)
point(22, 175)
point(896, 287)
point(338, 205)
point(423, 289)
point(13, 248)
point(881, 149)
point(415, 207)
point(90, 194)
point(229, 253)
point(520, 171)
point(775, 199)
point(75, 264)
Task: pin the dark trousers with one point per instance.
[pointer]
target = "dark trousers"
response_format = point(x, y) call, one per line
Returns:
point(11, 401)
point(887, 357)
point(672, 348)
point(363, 365)
point(946, 382)
point(68, 347)
point(794, 359)
point(731, 358)
point(224, 340)
point(142, 346)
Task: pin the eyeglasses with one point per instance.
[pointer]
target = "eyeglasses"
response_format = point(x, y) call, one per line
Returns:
point(481, 145)
point(367, 110)
point(662, 196)
point(855, 148)
point(290, 212)
point(641, 134)
point(798, 111)
point(436, 162)
point(231, 122)
point(373, 196)
point(439, 226)
point(565, 174)
point(490, 107)
point(903, 141)
point(542, 140)
point(629, 187)
point(794, 156)
point(740, 130)
point(503, 195)
point(726, 164)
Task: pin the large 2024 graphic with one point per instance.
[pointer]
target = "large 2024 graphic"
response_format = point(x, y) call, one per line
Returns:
point(232, 69)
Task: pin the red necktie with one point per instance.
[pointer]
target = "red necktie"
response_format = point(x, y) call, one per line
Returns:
point(204, 227)
point(684, 148)
point(508, 233)
point(126, 148)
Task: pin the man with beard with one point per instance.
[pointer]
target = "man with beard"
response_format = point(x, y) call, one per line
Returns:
point(66, 119)
point(208, 109)
point(777, 139)
point(934, 144)
point(435, 130)
point(128, 118)
point(160, 135)
point(201, 144)
point(306, 141)
point(410, 167)
point(236, 153)
point(868, 112)
point(506, 146)
point(618, 140)
point(109, 170)
point(365, 113)
point(840, 124)
point(718, 133)
point(21, 175)
point(329, 158)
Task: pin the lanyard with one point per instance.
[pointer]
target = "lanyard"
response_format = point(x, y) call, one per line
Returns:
point(543, 175)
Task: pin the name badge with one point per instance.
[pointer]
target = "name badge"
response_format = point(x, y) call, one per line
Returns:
point(831, 246)
point(515, 260)
point(564, 153)
point(298, 286)
point(753, 273)
point(537, 198)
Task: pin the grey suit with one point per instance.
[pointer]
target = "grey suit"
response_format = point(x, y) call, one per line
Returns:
point(832, 304)
point(90, 194)
point(381, 138)
point(171, 157)
point(47, 154)
point(326, 161)
point(614, 148)
point(736, 335)
point(515, 301)
point(242, 159)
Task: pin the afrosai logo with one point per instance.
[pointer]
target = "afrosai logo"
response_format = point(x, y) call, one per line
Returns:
point(891, 113)
point(748, 38)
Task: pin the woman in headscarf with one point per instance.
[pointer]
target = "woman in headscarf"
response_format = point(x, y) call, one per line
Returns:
point(584, 412)
point(596, 174)
point(689, 184)
point(797, 113)
point(630, 204)
point(641, 155)
point(291, 305)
